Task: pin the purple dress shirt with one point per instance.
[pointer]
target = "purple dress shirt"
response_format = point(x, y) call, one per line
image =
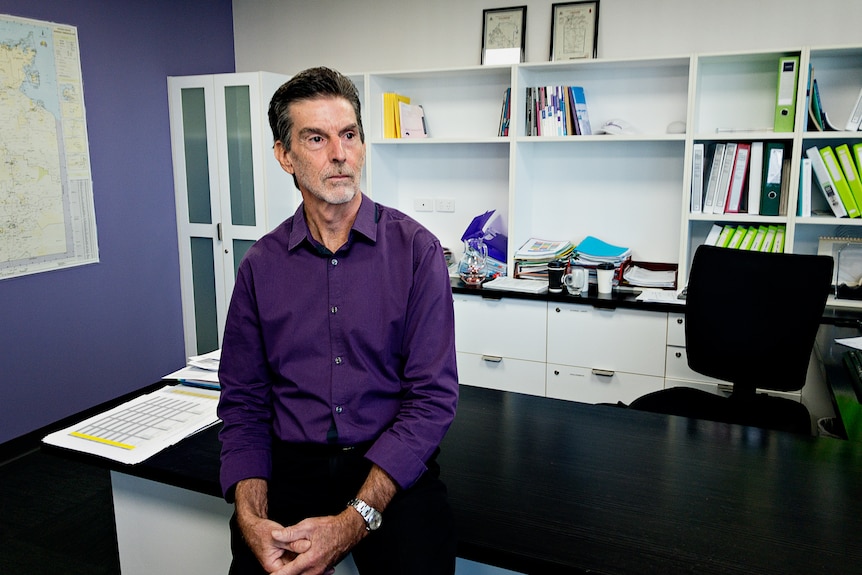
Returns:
point(360, 342)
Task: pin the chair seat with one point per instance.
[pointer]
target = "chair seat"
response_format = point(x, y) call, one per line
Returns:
point(758, 410)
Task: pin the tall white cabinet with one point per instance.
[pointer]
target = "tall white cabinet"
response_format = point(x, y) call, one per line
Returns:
point(229, 189)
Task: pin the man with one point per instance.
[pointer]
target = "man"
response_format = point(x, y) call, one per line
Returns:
point(337, 366)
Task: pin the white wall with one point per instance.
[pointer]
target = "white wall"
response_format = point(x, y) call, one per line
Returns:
point(375, 35)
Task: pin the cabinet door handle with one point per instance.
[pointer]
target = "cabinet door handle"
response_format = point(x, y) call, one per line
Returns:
point(492, 358)
point(603, 372)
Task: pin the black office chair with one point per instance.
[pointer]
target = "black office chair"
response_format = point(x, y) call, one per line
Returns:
point(750, 319)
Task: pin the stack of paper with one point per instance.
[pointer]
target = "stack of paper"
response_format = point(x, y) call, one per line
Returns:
point(638, 276)
point(200, 371)
point(594, 251)
point(532, 258)
point(512, 284)
point(544, 250)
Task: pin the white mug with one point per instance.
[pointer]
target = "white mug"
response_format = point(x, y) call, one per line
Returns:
point(576, 281)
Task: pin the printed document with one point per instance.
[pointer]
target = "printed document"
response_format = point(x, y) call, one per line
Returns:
point(140, 428)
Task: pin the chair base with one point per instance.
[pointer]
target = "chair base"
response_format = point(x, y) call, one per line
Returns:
point(759, 410)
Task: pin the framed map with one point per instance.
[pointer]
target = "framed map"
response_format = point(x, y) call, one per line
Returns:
point(574, 30)
point(47, 219)
point(503, 39)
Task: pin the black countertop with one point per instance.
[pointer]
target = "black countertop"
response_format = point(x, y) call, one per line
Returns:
point(548, 486)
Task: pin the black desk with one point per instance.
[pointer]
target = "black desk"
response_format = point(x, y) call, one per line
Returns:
point(548, 486)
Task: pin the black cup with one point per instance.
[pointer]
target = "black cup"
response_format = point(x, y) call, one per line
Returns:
point(556, 269)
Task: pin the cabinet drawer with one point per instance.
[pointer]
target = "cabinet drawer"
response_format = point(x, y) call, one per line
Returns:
point(584, 385)
point(627, 340)
point(501, 327)
point(676, 329)
point(503, 373)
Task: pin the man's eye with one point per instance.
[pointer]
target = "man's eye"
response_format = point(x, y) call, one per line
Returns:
point(315, 142)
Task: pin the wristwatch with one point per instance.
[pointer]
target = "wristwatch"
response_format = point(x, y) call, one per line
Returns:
point(373, 518)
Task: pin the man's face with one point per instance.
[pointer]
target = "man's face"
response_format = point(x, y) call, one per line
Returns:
point(326, 153)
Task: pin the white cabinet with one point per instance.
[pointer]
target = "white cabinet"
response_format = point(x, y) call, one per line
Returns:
point(228, 187)
point(500, 343)
point(600, 355)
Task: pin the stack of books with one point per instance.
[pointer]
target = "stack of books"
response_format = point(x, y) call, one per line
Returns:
point(532, 258)
point(557, 111)
point(401, 119)
point(836, 173)
point(593, 251)
point(740, 177)
point(758, 238)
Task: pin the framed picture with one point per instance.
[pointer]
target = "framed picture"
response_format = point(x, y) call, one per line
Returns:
point(574, 30)
point(503, 35)
point(847, 270)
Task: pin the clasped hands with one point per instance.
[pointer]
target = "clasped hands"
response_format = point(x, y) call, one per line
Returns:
point(311, 547)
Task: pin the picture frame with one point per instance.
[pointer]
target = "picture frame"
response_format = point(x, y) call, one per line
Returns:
point(847, 269)
point(504, 35)
point(574, 30)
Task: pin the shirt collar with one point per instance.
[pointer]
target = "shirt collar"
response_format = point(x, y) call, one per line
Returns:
point(365, 224)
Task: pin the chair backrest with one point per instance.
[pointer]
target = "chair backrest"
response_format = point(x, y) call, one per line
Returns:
point(752, 317)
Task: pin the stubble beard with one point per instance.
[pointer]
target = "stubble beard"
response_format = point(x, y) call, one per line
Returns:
point(335, 193)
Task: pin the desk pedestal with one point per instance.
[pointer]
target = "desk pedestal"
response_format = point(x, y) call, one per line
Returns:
point(166, 529)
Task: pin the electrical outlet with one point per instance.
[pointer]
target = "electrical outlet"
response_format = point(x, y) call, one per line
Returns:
point(445, 205)
point(423, 204)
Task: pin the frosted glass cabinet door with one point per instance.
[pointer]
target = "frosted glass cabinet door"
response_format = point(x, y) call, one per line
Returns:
point(222, 166)
point(196, 189)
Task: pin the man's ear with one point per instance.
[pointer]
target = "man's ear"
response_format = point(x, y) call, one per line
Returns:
point(283, 157)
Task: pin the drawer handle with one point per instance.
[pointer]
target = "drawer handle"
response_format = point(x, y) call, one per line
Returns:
point(603, 372)
point(679, 321)
point(492, 358)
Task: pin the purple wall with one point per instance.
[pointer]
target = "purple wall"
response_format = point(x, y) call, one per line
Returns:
point(71, 339)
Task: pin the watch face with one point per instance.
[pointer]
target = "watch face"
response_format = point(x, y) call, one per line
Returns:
point(375, 520)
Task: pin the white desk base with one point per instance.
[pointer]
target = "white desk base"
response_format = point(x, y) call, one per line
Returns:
point(173, 531)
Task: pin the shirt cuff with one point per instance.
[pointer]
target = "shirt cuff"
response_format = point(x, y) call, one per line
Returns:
point(244, 465)
point(393, 457)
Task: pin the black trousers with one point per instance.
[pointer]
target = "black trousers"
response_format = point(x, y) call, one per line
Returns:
point(417, 536)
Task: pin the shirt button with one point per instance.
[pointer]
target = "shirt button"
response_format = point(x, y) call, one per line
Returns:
point(338, 360)
point(334, 261)
point(334, 309)
point(339, 409)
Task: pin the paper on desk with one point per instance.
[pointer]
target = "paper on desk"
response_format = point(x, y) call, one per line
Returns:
point(660, 296)
point(142, 427)
point(854, 342)
point(208, 361)
point(191, 373)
